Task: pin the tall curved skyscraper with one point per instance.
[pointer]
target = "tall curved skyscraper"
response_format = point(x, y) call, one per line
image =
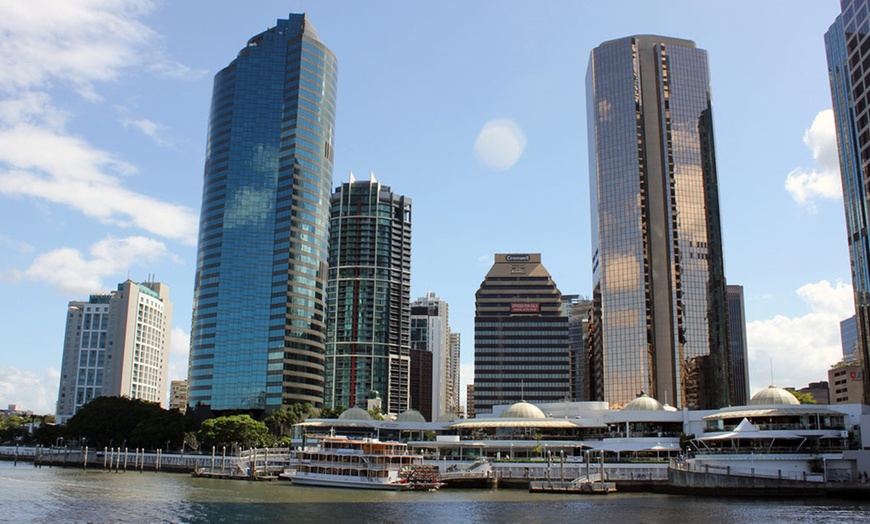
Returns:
point(659, 305)
point(258, 332)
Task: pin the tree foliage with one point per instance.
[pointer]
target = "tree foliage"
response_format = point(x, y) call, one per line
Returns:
point(125, 422)
point(236, 431)
point(280, 422)
point(335, 412)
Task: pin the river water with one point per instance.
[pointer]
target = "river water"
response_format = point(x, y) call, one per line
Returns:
point(57, 495)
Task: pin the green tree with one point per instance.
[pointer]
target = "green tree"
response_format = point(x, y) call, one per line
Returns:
point(235, 430)
point(280, 422)
point(332, 412)
point(125, 422)
point(376, 413)
point(803, 398)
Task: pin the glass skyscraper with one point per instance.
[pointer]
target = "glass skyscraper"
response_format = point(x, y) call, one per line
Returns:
point(258, 334)
point(520, 335)
point(369, 297)
point(848, 50)
point(659, 317)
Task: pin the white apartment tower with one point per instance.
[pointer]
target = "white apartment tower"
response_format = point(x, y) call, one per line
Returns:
point(116, 344)
point(430, 331)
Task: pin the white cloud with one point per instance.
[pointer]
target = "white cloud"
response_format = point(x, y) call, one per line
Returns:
point(77, 43)
point(85, 179)
point(49, 45)
point(179, 349)
point(70, 271)
point(800, 350)
point(153, 130)
point(500, 144)
point(823, 181)
point(33, 392)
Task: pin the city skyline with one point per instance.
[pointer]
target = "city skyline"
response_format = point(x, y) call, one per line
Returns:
point(127, 131)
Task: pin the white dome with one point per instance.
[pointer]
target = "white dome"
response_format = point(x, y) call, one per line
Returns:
point(355, 414)
point(523, 410)
point(773, 395)
point(412, 415)
point(643, 403)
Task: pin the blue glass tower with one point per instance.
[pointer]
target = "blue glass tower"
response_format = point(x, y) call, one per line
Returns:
point(847, 43)
point(258, 332)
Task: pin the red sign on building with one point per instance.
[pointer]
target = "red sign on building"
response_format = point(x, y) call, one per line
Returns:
point(525, 307)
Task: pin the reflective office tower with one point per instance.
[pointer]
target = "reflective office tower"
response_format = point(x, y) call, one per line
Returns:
point(849, 338)
point(369, 293)
point(659, 317)
point(258, 334)
point(848, 49)
point(737, 346)
point(520, 335)
point(430, 332)
point(116, 344)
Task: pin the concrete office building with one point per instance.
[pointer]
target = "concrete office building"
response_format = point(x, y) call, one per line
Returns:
point(847, 43)
point(369, 310)
point(453, 383)
point(520, 335)
point(258, 335)
point(659, 322)
point(116, 344)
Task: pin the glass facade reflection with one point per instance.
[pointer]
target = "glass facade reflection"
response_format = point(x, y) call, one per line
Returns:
point(659, 299)
point(847, 43)
point(368, 344)
point(258, 333)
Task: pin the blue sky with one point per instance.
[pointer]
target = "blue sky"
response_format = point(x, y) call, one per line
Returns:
point(474, 109)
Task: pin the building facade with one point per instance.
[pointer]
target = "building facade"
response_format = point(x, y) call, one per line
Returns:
point(453, 384)
point(848, 48)
point(520, 335)
point(738, 348)
point(846, 383)
point(258, 334)
point(430, 332)
point(178, 395)
point(849, 338)
point(660, 323)
point(116, 344)
point(578, 309)
point(368, 344)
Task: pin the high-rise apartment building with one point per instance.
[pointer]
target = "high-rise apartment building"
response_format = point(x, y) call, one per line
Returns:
point(116, 344)
point(430, 331)
point(738, 348)
point(369, 290)
point(520, 335)
point(258, 335)
point(453, 383)
point(658, 273)
point(847, 43)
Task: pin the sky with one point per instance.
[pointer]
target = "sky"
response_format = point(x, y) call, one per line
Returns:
point(473, 109)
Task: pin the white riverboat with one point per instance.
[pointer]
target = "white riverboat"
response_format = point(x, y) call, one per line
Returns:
point(342, 462)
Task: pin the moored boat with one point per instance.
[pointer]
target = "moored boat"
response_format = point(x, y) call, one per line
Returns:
point(342, 462)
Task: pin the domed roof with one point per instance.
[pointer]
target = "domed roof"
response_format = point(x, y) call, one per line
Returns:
point(355, 414)
point(643, 403)
point(773, 395)
point(412, 415)
point(523, 409)
point(447, 417)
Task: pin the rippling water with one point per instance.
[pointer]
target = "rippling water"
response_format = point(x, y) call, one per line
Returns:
point(29, 494)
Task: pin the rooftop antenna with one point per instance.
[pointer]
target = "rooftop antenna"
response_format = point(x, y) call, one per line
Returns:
point(771, 371)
